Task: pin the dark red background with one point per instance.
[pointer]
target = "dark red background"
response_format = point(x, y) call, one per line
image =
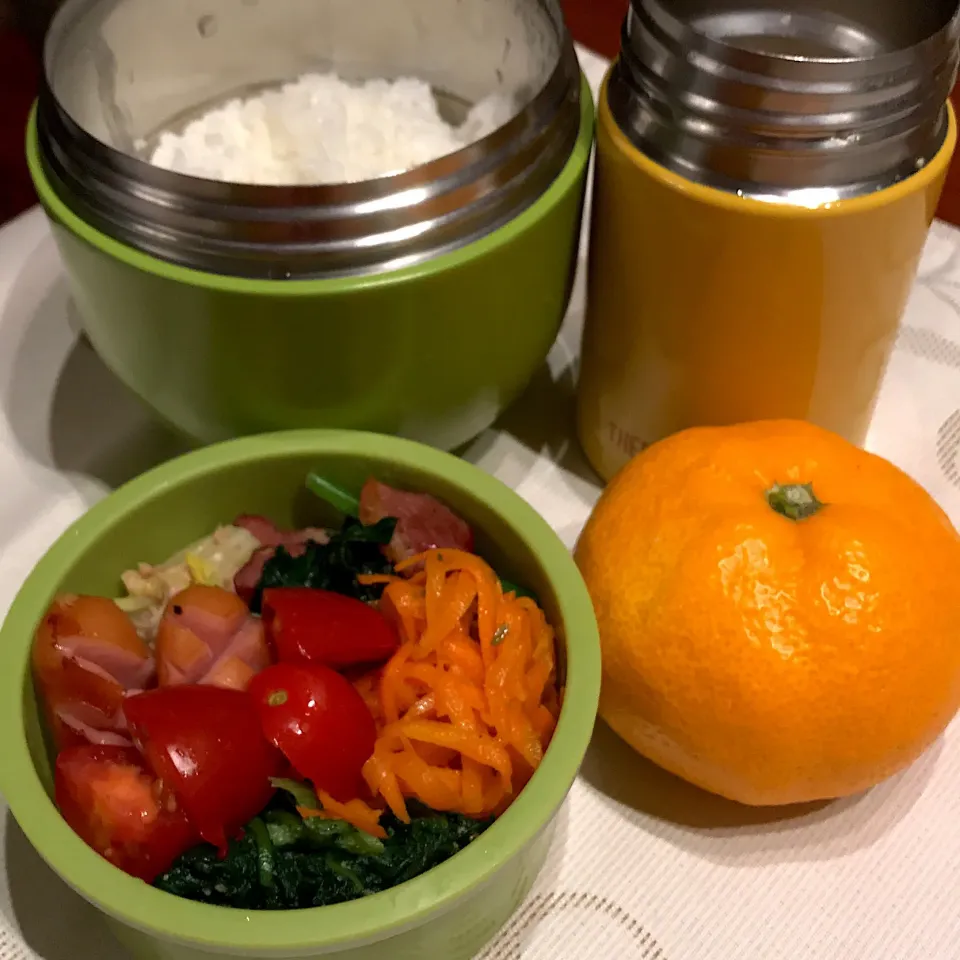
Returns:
point(594, 23)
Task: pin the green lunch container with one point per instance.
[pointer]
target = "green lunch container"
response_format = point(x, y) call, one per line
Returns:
point(419, 304)
point(448, 913)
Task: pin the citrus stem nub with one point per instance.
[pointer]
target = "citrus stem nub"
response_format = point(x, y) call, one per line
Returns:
point(795, 501)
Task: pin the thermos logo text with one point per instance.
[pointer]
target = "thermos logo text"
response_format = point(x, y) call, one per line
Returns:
point(628, 442)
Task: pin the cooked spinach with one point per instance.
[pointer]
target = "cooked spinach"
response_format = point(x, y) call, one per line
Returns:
point(299, 793)
point(352, 550)
point(284, 862)
point(509, 587)
point(315, 829)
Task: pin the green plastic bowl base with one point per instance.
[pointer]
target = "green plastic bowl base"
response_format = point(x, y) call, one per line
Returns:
point(447, 913)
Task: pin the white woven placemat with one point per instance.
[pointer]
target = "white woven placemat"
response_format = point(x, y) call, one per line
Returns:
point(643, 866)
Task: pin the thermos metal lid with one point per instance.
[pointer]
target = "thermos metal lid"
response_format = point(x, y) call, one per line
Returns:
point(119, 71)
point(799, 101)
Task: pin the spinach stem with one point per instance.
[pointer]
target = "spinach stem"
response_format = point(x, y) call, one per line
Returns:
point(336, 496)
point(302, 795)
point(265, 863)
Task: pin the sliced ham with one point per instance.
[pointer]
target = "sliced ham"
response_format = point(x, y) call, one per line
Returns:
point(130, 670)
point(81, 721)
point(87, 657)
point(245, 656)
point(208, 636)
point(423, 522)
point(91, 734)
point(293, 541)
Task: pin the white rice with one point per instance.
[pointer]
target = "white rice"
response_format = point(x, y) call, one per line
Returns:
point(320, 129)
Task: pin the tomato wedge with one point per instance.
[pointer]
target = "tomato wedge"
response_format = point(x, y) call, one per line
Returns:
point(206, 746)
point(115, 805)
point(319, 721)
point(326, 627)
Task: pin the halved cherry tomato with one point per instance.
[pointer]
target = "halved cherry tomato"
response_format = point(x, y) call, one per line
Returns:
point(206, 745)
point(326, 627)
point(116, 806)
point(86, 656)
point(319, 721)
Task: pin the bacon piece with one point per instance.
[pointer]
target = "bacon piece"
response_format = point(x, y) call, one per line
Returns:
point(248, 576)
point(293, 541)
point(423, 522)
point(271, 535)
point(263, 529)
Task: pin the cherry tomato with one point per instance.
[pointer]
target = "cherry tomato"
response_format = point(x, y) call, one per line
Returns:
point(116, 806)
point(206, 746)
point(86, 655)
point(319, 721)
point(326, 627)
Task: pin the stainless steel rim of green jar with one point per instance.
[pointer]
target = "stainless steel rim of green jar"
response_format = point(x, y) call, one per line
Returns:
point(87, 128)
point(793, 101)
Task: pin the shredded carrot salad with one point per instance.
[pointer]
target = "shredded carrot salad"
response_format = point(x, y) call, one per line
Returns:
point(467, 705)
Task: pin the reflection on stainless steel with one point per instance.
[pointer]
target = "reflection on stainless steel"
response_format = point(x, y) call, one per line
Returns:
point(118, 71)
point(803, 101)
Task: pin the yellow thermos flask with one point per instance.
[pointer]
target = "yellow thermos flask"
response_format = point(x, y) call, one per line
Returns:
point(765, 178)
